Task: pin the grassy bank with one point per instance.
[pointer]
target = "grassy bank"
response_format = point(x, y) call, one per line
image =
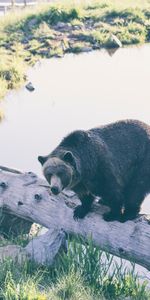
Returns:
point(62, 28)
point(81, 274)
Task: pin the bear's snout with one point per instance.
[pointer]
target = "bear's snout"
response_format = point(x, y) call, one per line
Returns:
point(56, 185)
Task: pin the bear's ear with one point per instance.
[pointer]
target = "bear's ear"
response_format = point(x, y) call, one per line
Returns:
point(42, 159)
point(69, 157)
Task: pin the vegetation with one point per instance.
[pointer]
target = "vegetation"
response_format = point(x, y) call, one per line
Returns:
point(83, 273)
point(67, 26)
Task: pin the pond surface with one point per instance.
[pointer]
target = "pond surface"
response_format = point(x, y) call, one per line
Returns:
point(75, 92)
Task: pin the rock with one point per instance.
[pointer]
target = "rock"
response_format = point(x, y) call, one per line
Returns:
point(28, 58)
point(44, 52)
point(77, 27)
point(96, 46)
point(98, 25)
point(32, 23)
point(58, 55)
point(63, 26)
point(111, 51)
point(89, 24)
point(29, 86)
point(86, 49)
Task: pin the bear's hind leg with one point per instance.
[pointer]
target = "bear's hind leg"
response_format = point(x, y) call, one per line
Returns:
point(131, 209)
point(115, 201)
point(115, 212)
point(134, 196)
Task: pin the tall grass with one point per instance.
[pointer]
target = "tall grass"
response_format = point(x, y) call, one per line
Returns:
point(84, 273)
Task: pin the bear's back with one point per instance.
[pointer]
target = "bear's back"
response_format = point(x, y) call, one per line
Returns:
point(126, 133)
point(127, 141)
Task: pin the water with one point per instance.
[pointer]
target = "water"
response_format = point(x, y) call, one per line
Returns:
point(76, 92)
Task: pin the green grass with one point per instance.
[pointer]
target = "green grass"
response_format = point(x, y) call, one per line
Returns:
point(28, 36)
point(83, 273)
point(24, 38)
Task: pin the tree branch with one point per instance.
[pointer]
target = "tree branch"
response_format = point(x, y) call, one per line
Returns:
point(28, 197)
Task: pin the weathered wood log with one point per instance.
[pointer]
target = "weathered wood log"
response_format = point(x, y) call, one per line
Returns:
point(42, 249)
point(13, 226)
point(28, 197)
point(16, 253)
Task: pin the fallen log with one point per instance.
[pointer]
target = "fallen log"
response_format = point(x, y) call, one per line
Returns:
point(42, 249)
point(28, 197)
point(13, 226)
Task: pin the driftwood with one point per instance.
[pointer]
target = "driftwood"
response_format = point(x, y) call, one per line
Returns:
point(42, 249)
point(12, 226)
point(28, 197)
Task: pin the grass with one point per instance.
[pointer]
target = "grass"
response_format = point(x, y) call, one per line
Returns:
point(27, 36)
point(84, 273)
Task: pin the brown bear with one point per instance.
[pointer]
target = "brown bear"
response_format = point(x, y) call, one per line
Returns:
point(111, 161)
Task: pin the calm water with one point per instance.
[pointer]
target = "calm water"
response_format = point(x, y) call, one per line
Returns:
point(75, 92)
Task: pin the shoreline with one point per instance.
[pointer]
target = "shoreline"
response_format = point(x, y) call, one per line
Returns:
point(54, 30)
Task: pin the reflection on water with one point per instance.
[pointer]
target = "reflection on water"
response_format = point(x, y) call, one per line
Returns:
point(80, 91)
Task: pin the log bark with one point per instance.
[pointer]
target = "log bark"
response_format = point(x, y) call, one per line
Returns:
point(14, 226)
point(28, 197)
point(42, 249)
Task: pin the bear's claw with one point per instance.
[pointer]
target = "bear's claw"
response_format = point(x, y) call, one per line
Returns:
point(79, 212)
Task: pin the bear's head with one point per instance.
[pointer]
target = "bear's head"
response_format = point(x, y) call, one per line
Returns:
point(60, 171)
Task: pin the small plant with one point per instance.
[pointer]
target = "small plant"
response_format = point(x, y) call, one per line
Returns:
point(43, 31)
point(77, 47)
point(56, 51)
point(71, 287)
point(22, 290)
point(100, 37)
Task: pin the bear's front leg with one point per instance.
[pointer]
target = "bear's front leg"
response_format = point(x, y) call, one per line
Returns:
point(112, 216)
point(82, 210)
point(115, 213)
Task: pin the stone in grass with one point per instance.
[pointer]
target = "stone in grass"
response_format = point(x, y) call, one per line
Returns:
point(61, 26)
point(86, 49)
point(29, 86)
point(78, 27)
point(32, 23)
